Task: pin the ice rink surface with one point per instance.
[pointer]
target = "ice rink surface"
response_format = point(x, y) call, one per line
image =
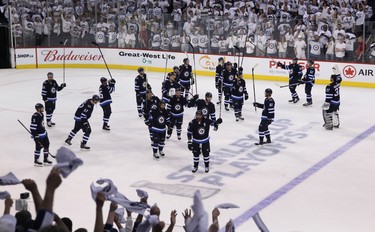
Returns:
point(308, 180)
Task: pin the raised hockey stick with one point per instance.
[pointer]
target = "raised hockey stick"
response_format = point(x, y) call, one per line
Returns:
point(195, 71)
point(64, 43)
point(252, 72)
point(166, 65)
point(36, 140)
point(243, 54)
point(100, 50)
point(239, 54)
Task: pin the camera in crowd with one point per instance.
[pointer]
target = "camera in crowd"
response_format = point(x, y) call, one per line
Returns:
point(21, 204)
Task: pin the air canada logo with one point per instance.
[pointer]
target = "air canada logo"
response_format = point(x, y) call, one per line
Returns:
point(349, 71)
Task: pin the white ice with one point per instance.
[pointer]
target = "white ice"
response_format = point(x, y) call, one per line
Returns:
point(339, 197)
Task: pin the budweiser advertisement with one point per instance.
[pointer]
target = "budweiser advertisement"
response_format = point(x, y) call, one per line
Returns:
point(354, 74)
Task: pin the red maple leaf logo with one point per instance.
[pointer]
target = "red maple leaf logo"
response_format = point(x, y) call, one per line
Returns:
point(349, 72)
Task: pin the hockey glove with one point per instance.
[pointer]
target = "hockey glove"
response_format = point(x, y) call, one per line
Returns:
point(216, 85)
point(216, 126)
point(269, 121)
point(325, 106)
point(256, 104)
point(235, 65)
point(86, 127)
point(279, 64)
point(190, 145)
point(112, 81)
point(300, 82)
point(246, 96)
point(192, 81)
point(219, 121)
point(195, 97)
point(63, 85)
point(147, 122)
point(240, 70)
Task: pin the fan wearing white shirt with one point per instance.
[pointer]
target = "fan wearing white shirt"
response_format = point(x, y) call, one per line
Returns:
point(250, 47)
point(315, 46)
point(340, 49)
point(300, 47)
point(271, 45)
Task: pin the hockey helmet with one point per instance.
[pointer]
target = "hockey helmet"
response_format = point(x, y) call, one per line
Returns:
point(310, 62)
point(333, 77)
point(268, 91)
point(199, 112)
point(229, 63)
point(185, 60)
point(221, 59)
point(50, 74)
point(176, 67)
point(95, 97)
point(140, 69)
point(208, 94)
point(39, 106)
point(295, 60)
point(103, 79)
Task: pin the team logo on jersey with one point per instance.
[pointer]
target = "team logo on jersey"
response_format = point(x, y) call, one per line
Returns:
point(161, 119)
point(271, 45)
point(53, 90)
point(201, 131)
point(349, 71)
point(144, 84)
point(42, 123)
point(231, 77)
point(204, 111)
point(186, 74)
point(195, 40)
point(153, 107)
point(100, 36)
point(177, 107)
point(202, 40)
point(240, 89)
point(316, 47)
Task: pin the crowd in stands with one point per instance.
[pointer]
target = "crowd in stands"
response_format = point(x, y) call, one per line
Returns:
point(48, 220)
point(316, 29)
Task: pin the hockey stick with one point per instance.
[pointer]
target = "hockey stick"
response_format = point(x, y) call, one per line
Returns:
point(243, 54)
point(36, 140)
point(103, 58)
point(252, 72)
point(166, 65)
point(239, 54)
point(283, 86)
point(195, 71)
point(64, 43)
